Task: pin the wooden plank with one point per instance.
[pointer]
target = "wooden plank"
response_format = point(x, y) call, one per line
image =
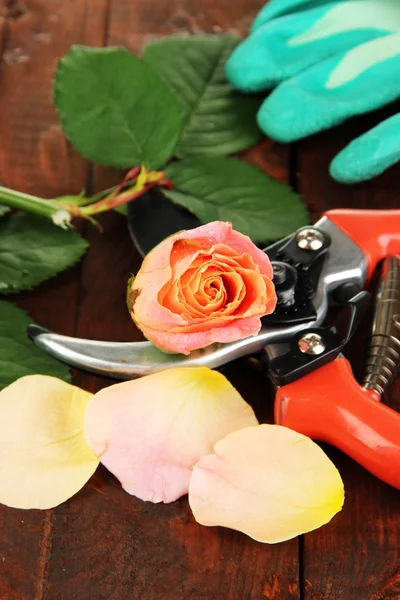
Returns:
point(35, 157)
point(2, 33)
point(357, 555)
point(34, 154)
point(158, 550)
point(106, 543)
point(135, 23)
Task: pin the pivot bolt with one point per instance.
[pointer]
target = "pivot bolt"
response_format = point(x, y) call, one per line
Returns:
point(280, 272)
point(310, 239)
point(311, 343)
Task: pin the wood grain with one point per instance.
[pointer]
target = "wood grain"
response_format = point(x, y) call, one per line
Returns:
point(104, 544)
point(157, 551)
point(135, 23)
point(35, 157)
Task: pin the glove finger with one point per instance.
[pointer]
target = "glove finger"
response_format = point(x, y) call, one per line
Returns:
point(362, 80)
point(289, 45)
point(370, 154)
point(280, 8)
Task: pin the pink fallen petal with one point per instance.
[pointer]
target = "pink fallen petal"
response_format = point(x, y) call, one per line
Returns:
point(268, 482)
point(151, 431)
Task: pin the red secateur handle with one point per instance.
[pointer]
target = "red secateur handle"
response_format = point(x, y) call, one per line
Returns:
point(330, 406)
point(376, 232)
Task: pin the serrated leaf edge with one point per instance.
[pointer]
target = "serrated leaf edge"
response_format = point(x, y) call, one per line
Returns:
point(228, 37)
point(64, 120)
point(16, 290)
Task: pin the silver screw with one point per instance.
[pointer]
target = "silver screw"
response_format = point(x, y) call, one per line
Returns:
point(311, 343)
point(310, 239)
point(280, 272)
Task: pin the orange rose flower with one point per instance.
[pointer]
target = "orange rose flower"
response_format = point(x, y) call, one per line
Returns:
point(201, 286)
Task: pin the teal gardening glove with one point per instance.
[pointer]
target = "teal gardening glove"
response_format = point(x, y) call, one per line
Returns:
point(327, 62)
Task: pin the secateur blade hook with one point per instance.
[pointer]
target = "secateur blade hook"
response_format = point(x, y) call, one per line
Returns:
point(333, 273)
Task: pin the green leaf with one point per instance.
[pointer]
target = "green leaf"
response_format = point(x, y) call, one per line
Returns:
point(33, 249)
point(3, 210)
point(218, 120)
point(226, 189)
point(115, 109)
point(18, 355)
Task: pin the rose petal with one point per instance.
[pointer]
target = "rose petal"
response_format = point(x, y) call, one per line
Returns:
point(159, 267)
point(151, 431)
point(269, 482)
point(44, 457)
point(194, 338)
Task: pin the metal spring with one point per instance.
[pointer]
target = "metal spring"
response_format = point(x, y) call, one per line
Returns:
point(383, 358)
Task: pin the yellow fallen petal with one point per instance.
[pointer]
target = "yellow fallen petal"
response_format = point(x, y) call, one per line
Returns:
point(269, 482)
point(151, 431)
point(44, 457)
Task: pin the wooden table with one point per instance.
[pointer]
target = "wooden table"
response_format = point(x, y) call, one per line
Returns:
point(104, 544)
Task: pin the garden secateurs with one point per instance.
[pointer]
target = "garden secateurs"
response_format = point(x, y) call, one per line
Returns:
point(325, 265)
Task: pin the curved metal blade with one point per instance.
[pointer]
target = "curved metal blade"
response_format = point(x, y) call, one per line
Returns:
point(124, 360)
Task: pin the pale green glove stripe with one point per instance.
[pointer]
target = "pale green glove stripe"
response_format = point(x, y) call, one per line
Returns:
point(336, 59)
point(363, 57)
point(279, 8)
point(287, 46)
point(303, 105)
point(265, 59)
point(351, 16)
point(369, 155)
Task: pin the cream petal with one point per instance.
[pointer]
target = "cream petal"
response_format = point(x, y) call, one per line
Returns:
point(267, 481)
point(44, 457)
point(151, 431)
